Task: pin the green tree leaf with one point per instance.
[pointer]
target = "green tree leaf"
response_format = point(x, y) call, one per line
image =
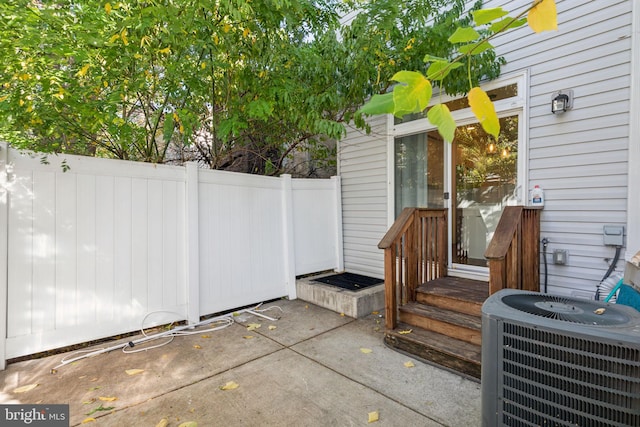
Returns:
point(379, 104)
point(484, 16)
point(475, 48)
point(440, 116)
point(507, 24)
point(412, 96)
point(438, 70)
point(464, 35)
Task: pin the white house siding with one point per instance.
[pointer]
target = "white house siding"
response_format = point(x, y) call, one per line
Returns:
point(579, 158)
point(362, 167)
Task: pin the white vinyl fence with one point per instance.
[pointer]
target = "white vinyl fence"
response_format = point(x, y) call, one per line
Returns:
point(87, 253)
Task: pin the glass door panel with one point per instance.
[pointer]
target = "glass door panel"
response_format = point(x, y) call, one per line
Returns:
point(419, 171)
point(484, 181)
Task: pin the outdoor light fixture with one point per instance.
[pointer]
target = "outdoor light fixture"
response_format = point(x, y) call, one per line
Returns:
point(561, 101)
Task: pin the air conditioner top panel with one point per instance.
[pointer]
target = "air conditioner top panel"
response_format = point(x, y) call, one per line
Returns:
point(559, 312)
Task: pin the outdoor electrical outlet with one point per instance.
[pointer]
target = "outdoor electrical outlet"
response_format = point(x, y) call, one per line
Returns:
point(560, 257)
point(613, 235)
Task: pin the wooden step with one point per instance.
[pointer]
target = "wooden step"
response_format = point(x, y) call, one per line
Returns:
point(454, 293)
point(461, 326)
point(433, 347)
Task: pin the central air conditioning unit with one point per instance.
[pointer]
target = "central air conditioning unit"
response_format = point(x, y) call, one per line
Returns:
point(555, 361)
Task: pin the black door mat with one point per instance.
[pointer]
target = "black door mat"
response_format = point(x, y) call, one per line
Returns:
point(349, 281)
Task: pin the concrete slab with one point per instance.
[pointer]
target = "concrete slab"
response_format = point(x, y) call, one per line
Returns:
point(439, 395)
point(307, 371)
point(354, 304)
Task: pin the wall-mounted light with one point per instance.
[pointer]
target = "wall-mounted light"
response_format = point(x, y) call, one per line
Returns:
point(561, 101)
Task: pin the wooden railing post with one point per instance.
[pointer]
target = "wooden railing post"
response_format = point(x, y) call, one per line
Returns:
point(415, 251)
point(513, 253)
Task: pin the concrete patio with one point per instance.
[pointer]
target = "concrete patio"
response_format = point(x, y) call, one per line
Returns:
point(311, 367)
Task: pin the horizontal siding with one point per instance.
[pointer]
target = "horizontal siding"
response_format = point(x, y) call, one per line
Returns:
point(579, 158)
point(363, 170)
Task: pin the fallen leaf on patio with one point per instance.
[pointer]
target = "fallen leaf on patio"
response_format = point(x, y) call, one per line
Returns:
point(25, 388)
point(94, 388)
point(101, 408)
point(409, 364)
point(342, 314)
point(405, 332)
point(306, 306)
point(247, 337)
point(375, 312)
point(205, 336)
point(230, 386)
point(134, 371)
point(272, 327)
point(600, 311)
point(253, 326)
point(88, 402)
point(189, 424)
point(373, 416)
point(366, 350)
point(108, 399)
point(196, 346)
point(88, 420)
point(163, 423)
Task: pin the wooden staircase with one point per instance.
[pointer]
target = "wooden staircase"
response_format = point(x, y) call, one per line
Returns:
point(445, 324)
point(443, 313)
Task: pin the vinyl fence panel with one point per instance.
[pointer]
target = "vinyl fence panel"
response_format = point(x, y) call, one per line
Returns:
point(93, 251)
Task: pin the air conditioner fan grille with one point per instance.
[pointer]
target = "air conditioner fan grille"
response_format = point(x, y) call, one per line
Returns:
point(567, 309)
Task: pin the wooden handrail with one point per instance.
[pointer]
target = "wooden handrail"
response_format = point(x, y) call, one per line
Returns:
point(415, 251)
point(513, 252)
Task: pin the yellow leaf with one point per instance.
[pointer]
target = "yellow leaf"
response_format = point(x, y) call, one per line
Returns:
point(163, 423)
point(114, 38)
point(484, 111)
point(123, 36)
point(405, 332)
point(253, 326)
point(543, 16)
point(88, 402)
point(600, 311)
point(88, 420)
point(145, 40)
point(134, 371)
point(196, 346)
point(84, 70)
point(341, 314)
point(366, 350)
point(107, 399)
point(409, 364)
point(189, 424)
point(272, 327)
point(205, 336)
point(373, 416)
point(25, 388)
point(247, 337)
point(231, 385)
point(165, 51)
point(107, 8)
point(375, 312)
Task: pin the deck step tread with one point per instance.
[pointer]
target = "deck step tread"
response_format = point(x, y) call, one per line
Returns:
point(459, 288)
point(431, 346)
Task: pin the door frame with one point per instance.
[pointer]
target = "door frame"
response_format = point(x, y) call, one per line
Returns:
point(506, 107)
